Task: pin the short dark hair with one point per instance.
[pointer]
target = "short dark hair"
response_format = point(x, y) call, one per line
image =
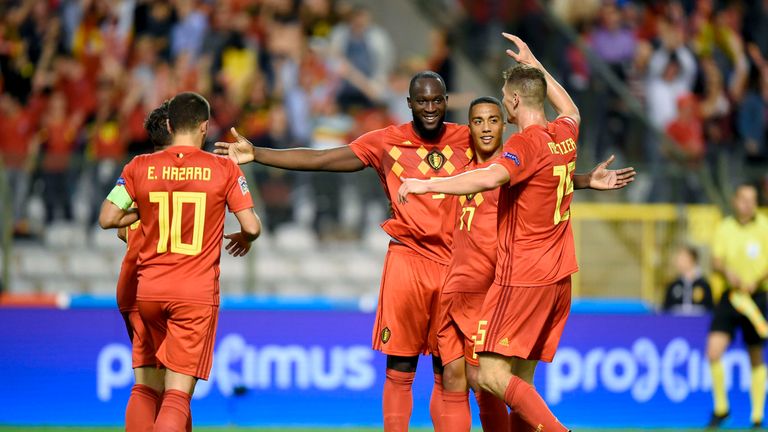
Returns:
point(186, 111)
point(156, 125)
point(484, 100)
point(692, 251)
point(529, 82)
point(426, 75)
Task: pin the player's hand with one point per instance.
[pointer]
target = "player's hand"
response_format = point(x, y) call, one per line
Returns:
point(240, 151)
point(411, 186)
point(237, 245)
point(734, 281)
point(602, 178)
point(749, 288)
point(523, 54)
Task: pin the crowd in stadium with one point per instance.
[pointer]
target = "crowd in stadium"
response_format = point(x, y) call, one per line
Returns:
point(698, 67)
point(79, 76)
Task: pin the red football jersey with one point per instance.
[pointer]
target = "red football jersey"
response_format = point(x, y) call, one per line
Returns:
point(426, 223)
point(128, 280)
point(535, 238)
point(181, 193)
point(475, 239)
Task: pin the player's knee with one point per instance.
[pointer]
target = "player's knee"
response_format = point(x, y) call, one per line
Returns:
point(402, 364)
point(454, 377)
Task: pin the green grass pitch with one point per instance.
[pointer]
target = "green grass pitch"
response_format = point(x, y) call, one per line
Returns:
point(245, 429)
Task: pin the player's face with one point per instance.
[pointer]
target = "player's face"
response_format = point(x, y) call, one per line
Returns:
point(745, 202)
point(486, 125)
point(511, 101)
point(683, 261)
point(428, 103)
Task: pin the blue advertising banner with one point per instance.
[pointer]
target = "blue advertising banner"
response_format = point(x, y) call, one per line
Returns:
point(282, 367)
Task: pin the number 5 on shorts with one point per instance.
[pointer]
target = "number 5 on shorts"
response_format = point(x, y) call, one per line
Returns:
point(479, 338)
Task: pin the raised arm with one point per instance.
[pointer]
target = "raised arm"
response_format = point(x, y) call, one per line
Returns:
point(556, 94)
point(470, 182)
point(338, 159)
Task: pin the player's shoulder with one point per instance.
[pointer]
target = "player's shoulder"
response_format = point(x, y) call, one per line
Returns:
point(761, 221)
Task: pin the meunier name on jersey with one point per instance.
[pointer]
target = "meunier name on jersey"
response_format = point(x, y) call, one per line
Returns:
point(563, 147)
point(180, 173)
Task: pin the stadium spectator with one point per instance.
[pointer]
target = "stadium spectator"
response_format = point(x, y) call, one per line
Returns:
point(688, 139)
point(690, 292)
point(740, 257)
point(368, 49)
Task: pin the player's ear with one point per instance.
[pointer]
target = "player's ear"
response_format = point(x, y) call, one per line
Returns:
point(408, 98)
point(204, 127)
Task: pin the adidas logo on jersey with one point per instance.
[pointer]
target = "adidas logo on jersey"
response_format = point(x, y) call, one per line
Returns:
point(504, 342)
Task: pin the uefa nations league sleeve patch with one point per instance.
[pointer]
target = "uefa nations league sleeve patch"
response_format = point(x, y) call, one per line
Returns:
point(513, 157)
point(120, 182)
point(243, 184)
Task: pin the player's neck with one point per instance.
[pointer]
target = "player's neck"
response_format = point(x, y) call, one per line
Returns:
point(483, 158)
point(530, 117)
point(427, 135)
point(186, 140)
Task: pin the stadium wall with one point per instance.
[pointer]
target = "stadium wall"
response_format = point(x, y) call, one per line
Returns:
point(304, 366)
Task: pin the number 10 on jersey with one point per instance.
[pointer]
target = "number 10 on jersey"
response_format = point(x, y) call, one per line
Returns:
point(172, 228)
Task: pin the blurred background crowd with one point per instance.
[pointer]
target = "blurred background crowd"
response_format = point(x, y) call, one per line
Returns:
point(678, 89)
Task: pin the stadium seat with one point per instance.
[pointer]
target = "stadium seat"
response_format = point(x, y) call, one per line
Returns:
point(86, 264)
point(37, 261)
point(295, 238)
point(65, 235)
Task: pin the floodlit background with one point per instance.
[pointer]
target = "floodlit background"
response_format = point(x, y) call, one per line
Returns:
point(677, 89)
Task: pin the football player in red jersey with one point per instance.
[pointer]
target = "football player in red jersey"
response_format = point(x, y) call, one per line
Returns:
point(180, 192)
point(527, 305)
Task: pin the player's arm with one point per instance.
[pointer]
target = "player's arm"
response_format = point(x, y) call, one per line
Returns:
point(338, 159)
point(556, 94)
point(117, 210)
point(602, 178)
point(112, 216)
point(122, 234)
point(250, 229)
point(470, 182)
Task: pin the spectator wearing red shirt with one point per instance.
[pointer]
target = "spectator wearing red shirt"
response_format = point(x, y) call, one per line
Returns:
point(59, 140)
point(687, 134)
point(17, 152)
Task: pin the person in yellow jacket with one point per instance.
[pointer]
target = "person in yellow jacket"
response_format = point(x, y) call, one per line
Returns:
point(740, 256)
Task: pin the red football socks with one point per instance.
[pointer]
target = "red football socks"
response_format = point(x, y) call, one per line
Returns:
point(397, 400)
point(142, 408)
point(528, 404)
point(174, 412)
point(494, 415)
point(517, 424)
point(436, 402)
point(455, 416)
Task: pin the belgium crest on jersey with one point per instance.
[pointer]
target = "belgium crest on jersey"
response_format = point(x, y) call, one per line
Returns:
point(435, 159)
point(385, 335)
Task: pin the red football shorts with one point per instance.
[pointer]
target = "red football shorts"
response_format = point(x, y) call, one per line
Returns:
point(524, 322)
point(142, 350)
point(182, 335)
point(406, 317)
point(459, 314)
